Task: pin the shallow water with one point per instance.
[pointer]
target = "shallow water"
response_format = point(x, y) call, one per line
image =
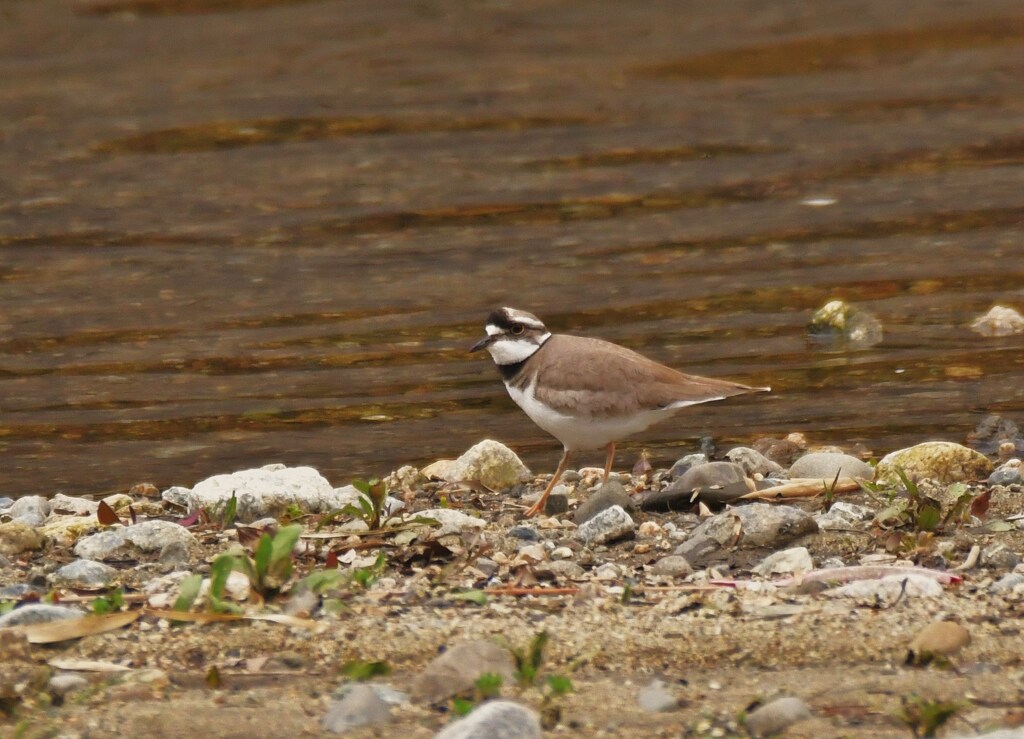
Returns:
point(233, 233)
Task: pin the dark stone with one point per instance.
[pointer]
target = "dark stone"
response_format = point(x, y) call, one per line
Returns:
point(608, 495)
point(556, 503)
point(714, 482)
point(526, 533)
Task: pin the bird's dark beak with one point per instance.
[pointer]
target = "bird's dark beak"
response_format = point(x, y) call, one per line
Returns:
point(482, 344)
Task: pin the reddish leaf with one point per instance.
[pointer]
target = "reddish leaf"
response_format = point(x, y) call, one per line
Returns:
point(192, 519)
point(131, 512)
point(979, 506)
point(106, 514)
point(331, 562)
point(248, 535)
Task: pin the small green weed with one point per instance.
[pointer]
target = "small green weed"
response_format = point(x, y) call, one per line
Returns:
point(924, 717)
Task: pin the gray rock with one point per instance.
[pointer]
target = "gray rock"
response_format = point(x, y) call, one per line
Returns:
point(38, 613)
point(137, 540)
point(840, 323)
point(672, 566)
point(1012, 582)
point(714, 481)
point(5, 503)
point(85, 574)
point(66, 683)
point(486, 565)
point(61, 503)
point(789, 561)
point(174, 555)
point(1006, 476)
point(760, 525)
point(753, 462)
point(887, 590)
point(608, 525)
point(558, 569)
point(451, 520)
point(999, 557)
point(32, 509)
point(684, 464)
point(526, 533)
point(773, 717)
point(942, 461)
point(556, 503)
point(826, 465)
point(495, 720)
point(490, 463)
point(458, 668)
point(359, 706)
point(608, 495)
point(843, 515)
point(656, 699)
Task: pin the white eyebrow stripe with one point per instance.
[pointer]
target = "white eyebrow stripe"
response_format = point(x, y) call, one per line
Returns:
point(492, 330)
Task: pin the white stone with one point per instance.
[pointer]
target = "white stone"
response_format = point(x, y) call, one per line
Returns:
point(146, 537)
point(608, 525)
point(490, 463)
point(796, 561)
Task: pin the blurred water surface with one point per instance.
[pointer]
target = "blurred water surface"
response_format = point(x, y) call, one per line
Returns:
point(236, 232)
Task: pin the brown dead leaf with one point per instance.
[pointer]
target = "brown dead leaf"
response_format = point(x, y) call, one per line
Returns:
point(75, 628)
point(105, 514)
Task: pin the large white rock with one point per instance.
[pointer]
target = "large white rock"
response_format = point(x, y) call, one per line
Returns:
point(943, 461)
point(264, 491)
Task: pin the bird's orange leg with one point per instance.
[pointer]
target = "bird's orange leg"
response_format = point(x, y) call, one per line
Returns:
point(609, 460)
point(539, 505)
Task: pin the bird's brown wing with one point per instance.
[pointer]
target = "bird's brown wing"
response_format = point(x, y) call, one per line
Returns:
point(589, 377)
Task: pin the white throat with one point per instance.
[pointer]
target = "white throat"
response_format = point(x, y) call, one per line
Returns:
point(509, 350)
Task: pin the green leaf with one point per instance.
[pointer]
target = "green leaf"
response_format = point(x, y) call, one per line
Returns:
point(462, 706)
point(488, 685)
point(559, 684)
point(362, 670)
point(537, 649)
point(261, 557)
point(362, 486)
point(928, 516)
point(188, 592)
point(473, 596)
point(219, 571)
point(230, 511)
point(284, 542)
point(322, 581)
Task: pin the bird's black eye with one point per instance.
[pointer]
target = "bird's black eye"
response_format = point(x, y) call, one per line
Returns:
point(517, 329)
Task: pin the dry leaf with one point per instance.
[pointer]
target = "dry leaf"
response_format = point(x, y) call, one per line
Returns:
point(75, 628)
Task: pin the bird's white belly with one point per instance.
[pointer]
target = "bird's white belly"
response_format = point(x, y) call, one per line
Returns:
point(584, 433)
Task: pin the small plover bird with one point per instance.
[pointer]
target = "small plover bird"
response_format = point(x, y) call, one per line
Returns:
point(588, 393)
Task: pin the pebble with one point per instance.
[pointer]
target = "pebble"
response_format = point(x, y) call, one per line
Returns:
point(650, 529)
point(608, 571)
point(942, 461)
point(715, 481)
point(556, 503)
point(608, 525)
point(359, 705)
point(38, 613)
point(65, 684)
point(937, 639)
point(838, 322)
point(561, 553)
point(32, 509)
point(1000, 320)
point(999, 557)
point(143, 538)
point(451, 520)
point(843, 515)
point(673, 566)
point(458, 668)
point(795, 561)
point(490, 463)
point(559, 569)
point(85, 574)
point(773, 717)
point(683, 464)
point(826, 465)
point(608, 495)
point(17, 537)
point(656, 699)
point(495, 720)
point(753, 462)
